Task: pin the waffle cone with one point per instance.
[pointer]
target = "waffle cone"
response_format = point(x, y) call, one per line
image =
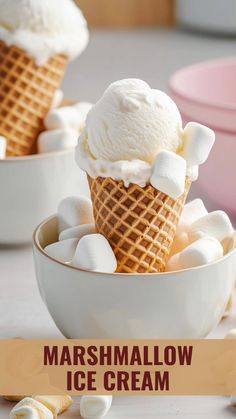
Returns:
point(26, 94)
point(139, 223)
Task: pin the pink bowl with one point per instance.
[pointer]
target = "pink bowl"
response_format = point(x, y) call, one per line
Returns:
point(206, 93)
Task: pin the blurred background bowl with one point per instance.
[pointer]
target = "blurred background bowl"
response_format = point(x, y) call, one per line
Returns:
point(206, 93)
point(83, 304)
point(215, 16)
point(31, 188)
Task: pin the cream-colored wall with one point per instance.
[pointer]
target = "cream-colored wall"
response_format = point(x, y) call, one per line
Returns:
point(128, 13)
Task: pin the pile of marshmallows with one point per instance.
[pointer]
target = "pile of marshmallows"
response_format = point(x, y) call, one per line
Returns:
point(201, 237)
point(49, 407)
point(78, 244)
point(63, 127)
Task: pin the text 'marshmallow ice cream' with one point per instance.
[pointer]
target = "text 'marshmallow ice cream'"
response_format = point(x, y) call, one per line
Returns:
point(43, 28)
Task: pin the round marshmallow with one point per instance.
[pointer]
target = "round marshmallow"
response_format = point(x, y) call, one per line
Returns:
point(3, 147)
point(193, 173)
point(180, 242)
point(66, 117)
point(31, 409)
point(57, 404)
point(231, 334)
point(83, 108)
point(77, 231)
point(173, 263)
point(198, 142)
point(215, 224)
point(63, 250)
point(201, 252)
point(73, 211)
point(93, 407)
point(192, 211)
point(94, 253)
point(61, 139)
point(169, 173)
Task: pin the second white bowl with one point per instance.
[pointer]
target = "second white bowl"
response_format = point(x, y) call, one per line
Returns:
point(31, 188)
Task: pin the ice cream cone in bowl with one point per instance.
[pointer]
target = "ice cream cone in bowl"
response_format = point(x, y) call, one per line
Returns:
point(32, 186)
point(26, 94)
point(140, 164)
point(37, 39)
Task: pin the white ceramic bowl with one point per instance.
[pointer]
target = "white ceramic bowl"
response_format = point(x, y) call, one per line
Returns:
point(31, 188)
point(83, 304)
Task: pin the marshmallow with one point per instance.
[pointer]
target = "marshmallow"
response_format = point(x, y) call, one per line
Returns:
point(29, 408)
point(83, 109)
point(63, 250)
point(77, 232)
point(61, 139)
point(3, 147)
point(198, 142)
point(231, 334)
point(173, 263)
point(233, 401)
point(215, 224)
point(180, 242)
point(192, 211)
point(94, 253)
point(58, 98)
point(56, 404)
point(201, 252)
point(169, 173)
point(73, 211)
point(66, 117)
point(193, 173)
point(93, 407)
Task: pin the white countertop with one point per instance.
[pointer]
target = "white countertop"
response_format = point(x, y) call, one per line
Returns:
point(153, 407)
point(152, 55)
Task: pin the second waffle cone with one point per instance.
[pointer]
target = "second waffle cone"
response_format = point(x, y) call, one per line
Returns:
point(139, 223)
point(26, 94)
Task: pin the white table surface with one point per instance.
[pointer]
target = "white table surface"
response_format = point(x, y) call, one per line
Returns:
point(152, 55)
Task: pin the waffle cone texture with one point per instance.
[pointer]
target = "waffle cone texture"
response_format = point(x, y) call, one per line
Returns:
point(26, 94)
point(139, 223)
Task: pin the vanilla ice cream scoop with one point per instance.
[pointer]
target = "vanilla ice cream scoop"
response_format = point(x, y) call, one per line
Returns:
point(43, 27)
point(132, 121)
point(129, 127)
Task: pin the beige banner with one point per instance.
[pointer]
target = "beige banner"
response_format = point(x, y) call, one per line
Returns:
point(199, 367)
